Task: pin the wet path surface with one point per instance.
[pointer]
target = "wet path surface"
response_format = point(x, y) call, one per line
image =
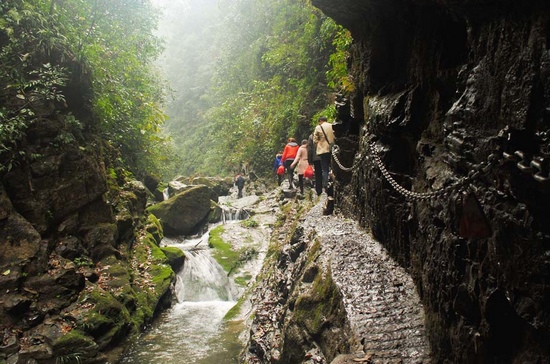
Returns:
point(380, 298)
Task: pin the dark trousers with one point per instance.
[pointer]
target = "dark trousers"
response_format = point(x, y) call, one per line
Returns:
point(325, 167)
point(290, 171)
point(318, 176)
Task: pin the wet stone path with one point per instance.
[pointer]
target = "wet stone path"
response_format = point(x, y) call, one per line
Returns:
point(383, 307)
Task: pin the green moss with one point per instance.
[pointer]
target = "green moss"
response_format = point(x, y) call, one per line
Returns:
point(223, 254)
point(243, 279)
point(314, 251)
point(319, 306)
point(153, 280)
point(132, 296)
point(154, 227)
point(215, 213)
point(283, 214)
point(249, 223)
point(162, 277)
point(94, 324)
point(147, 249)
point(117, 269)
point(106, 304)
point(73, 338)
point(234, 311)
point(174, 255)
point(73, 343)
point(229, 259)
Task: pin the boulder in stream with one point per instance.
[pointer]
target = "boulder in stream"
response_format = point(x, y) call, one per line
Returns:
point(186, 212)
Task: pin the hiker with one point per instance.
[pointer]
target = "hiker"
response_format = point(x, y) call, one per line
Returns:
point(301, 164)
point(278, 167)
point(314, 160)
point(323, 137)
point(289, 153)
point(239, 182)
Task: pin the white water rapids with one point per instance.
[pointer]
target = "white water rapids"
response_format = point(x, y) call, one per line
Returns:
point(191, 332)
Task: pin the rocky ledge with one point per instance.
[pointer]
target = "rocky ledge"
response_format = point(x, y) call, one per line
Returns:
point(330, 293)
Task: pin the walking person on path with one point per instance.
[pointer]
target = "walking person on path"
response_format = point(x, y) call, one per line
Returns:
point(323, 137)
point(314, 160)
point(301, 164)
point(277, 166)
point(289, 153)
point(239, 182)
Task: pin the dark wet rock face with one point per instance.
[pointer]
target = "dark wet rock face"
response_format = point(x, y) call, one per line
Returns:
point(80, 268)
point(456, 95)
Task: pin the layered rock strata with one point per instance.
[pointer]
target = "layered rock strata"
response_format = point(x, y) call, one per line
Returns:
point(448, 131)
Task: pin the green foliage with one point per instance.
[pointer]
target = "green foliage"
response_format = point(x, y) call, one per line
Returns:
point(31, 83)
point(270, 69)
point(61, 57)
point(249, 75)
point(338, 74)
point(249, 223)
point(83, 262)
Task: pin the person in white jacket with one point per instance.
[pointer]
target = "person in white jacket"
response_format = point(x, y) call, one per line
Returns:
point(301, 163)
point(323, 137)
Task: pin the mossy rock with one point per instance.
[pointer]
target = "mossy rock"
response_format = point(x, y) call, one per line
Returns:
point(104, 305)
point(175, 257)
point(313, 310)
point(159, 191)
point(185, 213)
point(154, 227)
point(155, 277)
point(215, 214)
point(75, 345)
point(223, 254)
point(220, 186)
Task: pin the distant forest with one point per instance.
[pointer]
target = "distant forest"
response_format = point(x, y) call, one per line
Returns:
point(247, 75)
point(190, 87)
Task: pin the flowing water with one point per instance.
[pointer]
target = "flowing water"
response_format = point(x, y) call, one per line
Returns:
point(193, 330)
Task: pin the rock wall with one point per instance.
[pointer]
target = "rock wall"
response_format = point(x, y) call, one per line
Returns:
point(80, 266)
point(454, 99)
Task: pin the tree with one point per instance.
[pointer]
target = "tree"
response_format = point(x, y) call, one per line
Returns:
point(264, 79)
point(103, 48)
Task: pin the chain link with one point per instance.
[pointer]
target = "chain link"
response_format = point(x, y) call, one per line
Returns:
point(336, 151)
point(536, 165)
point(481, 169)
point(410, 194)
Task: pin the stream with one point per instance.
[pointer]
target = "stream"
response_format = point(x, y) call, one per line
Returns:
point(193, 331)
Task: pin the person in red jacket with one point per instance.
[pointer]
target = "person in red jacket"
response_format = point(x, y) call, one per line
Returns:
point(289, 154)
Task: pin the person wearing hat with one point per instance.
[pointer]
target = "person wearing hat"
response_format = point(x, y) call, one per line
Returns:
point(323, 137)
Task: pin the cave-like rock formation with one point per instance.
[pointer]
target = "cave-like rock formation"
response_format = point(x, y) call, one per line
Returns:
point(453, 96)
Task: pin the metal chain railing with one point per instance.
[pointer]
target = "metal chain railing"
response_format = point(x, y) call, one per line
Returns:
point(535, 165)
point(356, 164)
point(411, 195)
point(479, 170)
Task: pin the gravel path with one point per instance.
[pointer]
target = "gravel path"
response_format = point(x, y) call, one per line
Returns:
point(380, 298)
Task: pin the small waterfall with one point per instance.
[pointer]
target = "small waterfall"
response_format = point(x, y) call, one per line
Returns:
point(166, 193)
point(232, 214)
point(191, 329)
point(203, 279)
